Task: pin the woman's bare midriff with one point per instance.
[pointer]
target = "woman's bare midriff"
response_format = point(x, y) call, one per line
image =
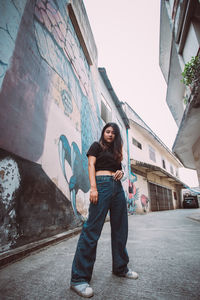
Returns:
point(104, 172)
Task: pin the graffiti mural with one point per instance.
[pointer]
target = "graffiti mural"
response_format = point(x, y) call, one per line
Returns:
point(59, 46)
point(58, 43)
point(145, 202)
point(9, 25)
point(133, 196)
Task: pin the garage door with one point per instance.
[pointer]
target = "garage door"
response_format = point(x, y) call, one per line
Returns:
point(161, 197)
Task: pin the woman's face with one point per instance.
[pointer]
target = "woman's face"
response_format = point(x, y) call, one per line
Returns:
point(109, 135)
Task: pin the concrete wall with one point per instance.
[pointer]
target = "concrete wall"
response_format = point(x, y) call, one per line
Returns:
point(165, 40)
point(196, 155)
point(50, 115)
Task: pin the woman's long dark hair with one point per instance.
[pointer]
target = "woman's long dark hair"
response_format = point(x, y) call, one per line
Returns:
point(116, 144)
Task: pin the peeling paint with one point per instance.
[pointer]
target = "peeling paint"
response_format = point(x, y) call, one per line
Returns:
point(9, 183)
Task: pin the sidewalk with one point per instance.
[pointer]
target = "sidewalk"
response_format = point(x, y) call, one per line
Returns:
point(164, 248)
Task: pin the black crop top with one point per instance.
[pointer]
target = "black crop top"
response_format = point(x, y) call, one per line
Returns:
point(104, 159)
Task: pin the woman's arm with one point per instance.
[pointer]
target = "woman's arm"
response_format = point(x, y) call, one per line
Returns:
point(92, 178)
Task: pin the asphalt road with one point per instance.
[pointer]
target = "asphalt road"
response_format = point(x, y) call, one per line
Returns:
point(164, 248)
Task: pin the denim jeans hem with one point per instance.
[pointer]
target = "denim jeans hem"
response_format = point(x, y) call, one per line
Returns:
point(77, 283)
point(121, 274)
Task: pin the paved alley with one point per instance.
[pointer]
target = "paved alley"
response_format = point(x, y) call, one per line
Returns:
point(164, 248)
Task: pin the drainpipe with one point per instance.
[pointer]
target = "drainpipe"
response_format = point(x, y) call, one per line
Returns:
point(131, 176)
point(129, 163)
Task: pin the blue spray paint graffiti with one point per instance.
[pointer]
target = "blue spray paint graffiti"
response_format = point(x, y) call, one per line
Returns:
point(133, 195)
point(60, 48)
point(79, 178)
point(77, 160)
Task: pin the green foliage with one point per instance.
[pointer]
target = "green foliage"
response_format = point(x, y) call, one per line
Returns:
point(191, 71)
point(185, 100)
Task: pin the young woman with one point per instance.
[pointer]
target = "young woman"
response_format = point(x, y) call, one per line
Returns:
point(106, 193)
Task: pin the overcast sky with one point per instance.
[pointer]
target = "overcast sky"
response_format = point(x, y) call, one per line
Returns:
point(127, 38)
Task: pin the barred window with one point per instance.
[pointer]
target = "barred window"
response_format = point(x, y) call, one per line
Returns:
point(136, 143)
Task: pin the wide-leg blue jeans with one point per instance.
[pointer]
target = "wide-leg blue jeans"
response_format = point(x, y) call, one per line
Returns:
point(110, 197)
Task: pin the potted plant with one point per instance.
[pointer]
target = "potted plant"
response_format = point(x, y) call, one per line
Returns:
point(191, 73)
point(191, 77)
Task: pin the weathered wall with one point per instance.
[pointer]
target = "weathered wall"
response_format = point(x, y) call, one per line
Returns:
point(49, 117)
point(31, 206)
point(196, 155)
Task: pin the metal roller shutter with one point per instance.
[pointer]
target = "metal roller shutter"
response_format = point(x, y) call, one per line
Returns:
point(161, 197)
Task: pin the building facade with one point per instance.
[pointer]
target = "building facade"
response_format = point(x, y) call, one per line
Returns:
point(54, 103)
point(155, 170)
point(179, 42)
point(53, 106)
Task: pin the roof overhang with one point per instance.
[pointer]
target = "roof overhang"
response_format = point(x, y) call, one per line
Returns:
point(143, 169)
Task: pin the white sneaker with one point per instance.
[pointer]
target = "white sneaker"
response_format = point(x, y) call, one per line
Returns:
point(83, 290)
point(131, 275)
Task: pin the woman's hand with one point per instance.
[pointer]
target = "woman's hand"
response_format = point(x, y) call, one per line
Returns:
point(118, 175)
point(93, 196)
point(92, 178)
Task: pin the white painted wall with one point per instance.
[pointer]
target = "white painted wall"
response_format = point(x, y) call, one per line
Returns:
point(143, 155)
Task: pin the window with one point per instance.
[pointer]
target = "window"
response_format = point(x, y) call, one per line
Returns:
point(163, 163)
point(152, 154)
point(177, 174)
point(106, 113)
point(136, 143)
point(171, 169)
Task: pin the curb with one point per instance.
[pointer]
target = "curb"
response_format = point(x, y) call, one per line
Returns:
point(13, 255)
